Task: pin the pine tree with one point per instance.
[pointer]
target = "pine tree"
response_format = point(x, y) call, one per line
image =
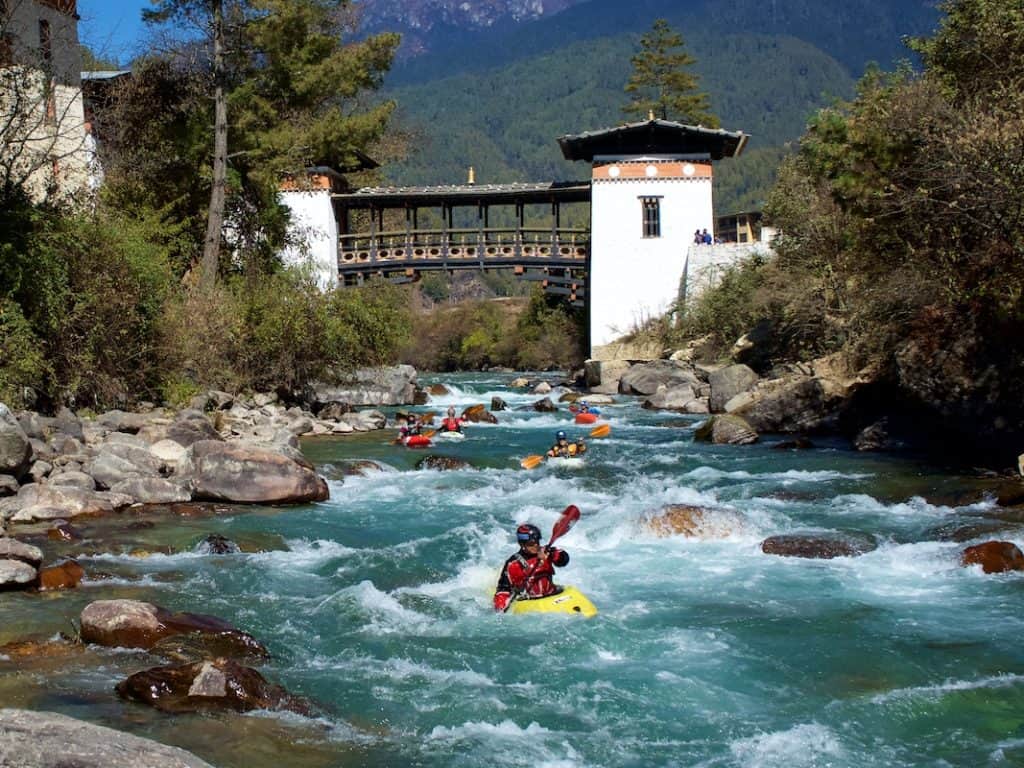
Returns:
point(287, 91)
point(661, 83)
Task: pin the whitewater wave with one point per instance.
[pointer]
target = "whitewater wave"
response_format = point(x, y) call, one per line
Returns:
point(807, 744)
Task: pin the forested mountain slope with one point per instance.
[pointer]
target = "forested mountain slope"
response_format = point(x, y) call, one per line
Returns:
point(497, 99)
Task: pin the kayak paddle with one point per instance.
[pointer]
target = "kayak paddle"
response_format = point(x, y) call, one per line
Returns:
point(564, 524)
point(531, 462)
point(602, 430)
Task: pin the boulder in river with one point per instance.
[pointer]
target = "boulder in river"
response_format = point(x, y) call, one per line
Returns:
point(135, 624)
point(63, 531)
point(478, 414)
point(728, 382)
point(45, 502)
point(994, 557)
point(519, 383)
point(203, 685)
point(361, 467)
point(694, 522)
point(393, 385)
point(15, 574)
point(442, 463)
point(675, 398)
point(544, 406)
point(12, 549)
point(497, 404)
point(65, 575)
point(645, 378)
point(153, 490)
point(244, 474)
point(725, 429)
point(543, 388)
point(15, 448)
point(822, 547)
point(216, 544)
point(48, 740)
point(438, 390)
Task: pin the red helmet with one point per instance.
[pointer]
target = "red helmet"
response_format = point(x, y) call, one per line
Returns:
point(527, 532)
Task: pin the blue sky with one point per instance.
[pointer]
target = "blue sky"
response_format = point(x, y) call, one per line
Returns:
point(112, 28)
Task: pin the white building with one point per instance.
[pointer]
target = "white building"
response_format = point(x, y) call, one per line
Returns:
point(651, 191)
point(43, 134)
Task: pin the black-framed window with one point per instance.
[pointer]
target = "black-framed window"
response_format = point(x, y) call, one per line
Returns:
point(45, 41)
point(651, 216)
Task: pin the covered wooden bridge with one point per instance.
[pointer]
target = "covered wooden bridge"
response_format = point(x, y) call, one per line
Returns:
point(391, 243)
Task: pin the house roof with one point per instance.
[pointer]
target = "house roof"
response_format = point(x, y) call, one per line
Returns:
point(654, 137)
point(469, 194)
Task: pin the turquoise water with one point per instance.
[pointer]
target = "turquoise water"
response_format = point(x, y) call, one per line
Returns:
point(705, 652)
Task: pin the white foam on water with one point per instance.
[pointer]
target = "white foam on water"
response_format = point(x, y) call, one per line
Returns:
point(938, 690)
point(807, 744)
point(303, 555)
point(863, 504)
point(998, 755)
point(383, 613)
point(506, 743)
point(789, 477)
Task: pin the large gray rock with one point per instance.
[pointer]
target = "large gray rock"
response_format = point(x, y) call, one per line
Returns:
point(725, 429)
point(12, 549)
point(48, 740)
point(802, 404)
point(645, 378)
point(120, 421)
point(15, 449)
point(109, 469)
point(15, 574)
point(728, 382)
point(674, 399)
point(8, 485)
point(153, 490)
point(73, 479)
point(191, 427)
point(245, 474)
point(46, 502)
point(602, 376)
point(394, 385)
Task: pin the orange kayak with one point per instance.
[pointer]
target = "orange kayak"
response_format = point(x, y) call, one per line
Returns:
point(586, 418)
point(417, 441)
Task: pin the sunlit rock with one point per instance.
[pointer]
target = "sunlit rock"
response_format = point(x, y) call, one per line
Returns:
point(994, 557)
point(817, 546)
point(694, 522)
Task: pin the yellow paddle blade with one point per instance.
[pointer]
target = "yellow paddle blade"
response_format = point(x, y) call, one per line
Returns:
point(531, 462)
point(427, 418)
point(601, 430)
point(429, 433)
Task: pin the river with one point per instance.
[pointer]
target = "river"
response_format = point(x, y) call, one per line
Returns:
point(376, 605)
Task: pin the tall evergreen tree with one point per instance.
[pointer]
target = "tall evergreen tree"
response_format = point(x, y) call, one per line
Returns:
point(286, 87)
point(661, 82)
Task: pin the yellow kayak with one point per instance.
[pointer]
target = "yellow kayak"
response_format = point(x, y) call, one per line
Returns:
point(569, 600)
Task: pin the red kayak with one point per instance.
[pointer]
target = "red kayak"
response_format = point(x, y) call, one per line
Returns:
point(586, 418)
point(417, 441)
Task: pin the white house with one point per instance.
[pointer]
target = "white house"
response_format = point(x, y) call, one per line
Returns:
point(651, 191)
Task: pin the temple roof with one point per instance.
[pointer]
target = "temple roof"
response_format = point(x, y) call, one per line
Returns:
point(654, 137)
point(470, 194)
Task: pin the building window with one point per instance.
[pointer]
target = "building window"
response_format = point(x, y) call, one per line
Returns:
point(652, 216)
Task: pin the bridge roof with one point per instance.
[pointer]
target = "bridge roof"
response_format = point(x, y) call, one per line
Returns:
point(468, 194)
point(657, 137)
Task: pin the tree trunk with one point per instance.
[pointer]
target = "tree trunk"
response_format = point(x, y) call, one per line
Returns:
point(215, 216)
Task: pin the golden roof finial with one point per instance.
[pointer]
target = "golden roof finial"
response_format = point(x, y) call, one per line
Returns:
point(472, 176)
point(650, 114)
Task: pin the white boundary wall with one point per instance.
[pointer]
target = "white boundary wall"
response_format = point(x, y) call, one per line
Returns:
point(315, 228)
point(632, 277)
point(705, 265)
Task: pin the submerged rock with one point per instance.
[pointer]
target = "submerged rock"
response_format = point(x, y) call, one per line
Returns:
point(135, 624)
point(361, 467)
point(799, 444)
point(544, 406)
point(695, 522)
point(48, 740)
point(818, 547)
point(497, 404)
point(994, 557)
point(218, 684)
point(725, 429)
point(64, 575)
point(442, 463)
point(63, 531)
point(438, 390)
point(215, 544)
point(240, 473)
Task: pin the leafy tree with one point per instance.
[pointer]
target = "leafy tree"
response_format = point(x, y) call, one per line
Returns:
point(661, 82)
point(286, 90)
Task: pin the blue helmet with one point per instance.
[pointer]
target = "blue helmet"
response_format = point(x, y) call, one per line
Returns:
point(560, 435)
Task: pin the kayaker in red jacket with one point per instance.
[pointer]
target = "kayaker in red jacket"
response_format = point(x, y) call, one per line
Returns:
point(528, 574)
point(451, 423)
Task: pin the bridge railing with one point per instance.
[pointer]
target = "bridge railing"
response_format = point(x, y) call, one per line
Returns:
point(409, 247)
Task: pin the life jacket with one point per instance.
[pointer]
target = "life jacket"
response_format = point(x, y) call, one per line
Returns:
point(451, 424)
point(524, 579)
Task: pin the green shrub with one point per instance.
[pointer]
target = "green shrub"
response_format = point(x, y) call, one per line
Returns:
point(22, 358)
